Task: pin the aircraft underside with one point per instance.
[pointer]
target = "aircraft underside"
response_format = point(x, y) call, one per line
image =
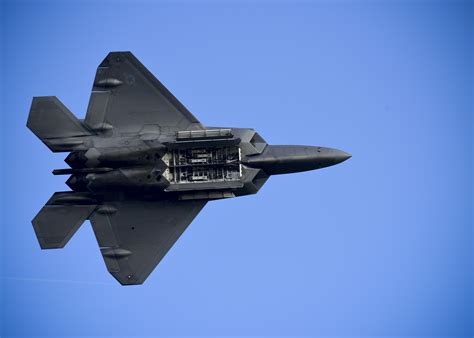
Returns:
point(142, 167)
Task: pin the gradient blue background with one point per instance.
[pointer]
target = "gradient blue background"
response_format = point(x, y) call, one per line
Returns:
point(379, 245)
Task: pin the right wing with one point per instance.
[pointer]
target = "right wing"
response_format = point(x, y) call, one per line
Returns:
point(126, 97)
point(134, 236)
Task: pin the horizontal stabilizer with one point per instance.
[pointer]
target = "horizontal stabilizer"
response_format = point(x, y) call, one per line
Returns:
point(55, 125)
point(59, 220)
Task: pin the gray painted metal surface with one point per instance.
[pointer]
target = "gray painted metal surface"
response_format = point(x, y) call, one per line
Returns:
point(142, 167)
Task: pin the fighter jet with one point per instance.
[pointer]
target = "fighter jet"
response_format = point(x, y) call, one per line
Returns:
point(142, 167)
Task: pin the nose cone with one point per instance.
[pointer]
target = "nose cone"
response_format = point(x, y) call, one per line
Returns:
point(335, 156)
point(290, 159)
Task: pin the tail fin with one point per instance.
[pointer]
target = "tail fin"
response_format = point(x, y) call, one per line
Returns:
point(55, 125)
point(60, 218)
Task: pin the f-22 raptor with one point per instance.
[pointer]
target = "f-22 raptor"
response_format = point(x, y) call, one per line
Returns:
point(142, 167)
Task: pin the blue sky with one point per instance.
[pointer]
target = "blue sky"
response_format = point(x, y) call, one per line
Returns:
point(379, 245)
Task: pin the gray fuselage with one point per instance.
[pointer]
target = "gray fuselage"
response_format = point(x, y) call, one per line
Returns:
point(200, 164)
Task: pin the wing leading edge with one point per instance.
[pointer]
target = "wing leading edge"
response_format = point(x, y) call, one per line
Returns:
point(135, 236)
point(126, 97)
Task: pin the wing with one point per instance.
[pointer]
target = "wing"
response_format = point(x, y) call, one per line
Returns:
point(126, 97)
point(135, 236)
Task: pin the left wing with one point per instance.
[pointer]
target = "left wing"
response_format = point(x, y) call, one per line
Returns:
point(126, 97)
point(134, 236)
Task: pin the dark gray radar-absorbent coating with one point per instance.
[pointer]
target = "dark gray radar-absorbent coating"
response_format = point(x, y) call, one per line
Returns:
point(142, 167)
